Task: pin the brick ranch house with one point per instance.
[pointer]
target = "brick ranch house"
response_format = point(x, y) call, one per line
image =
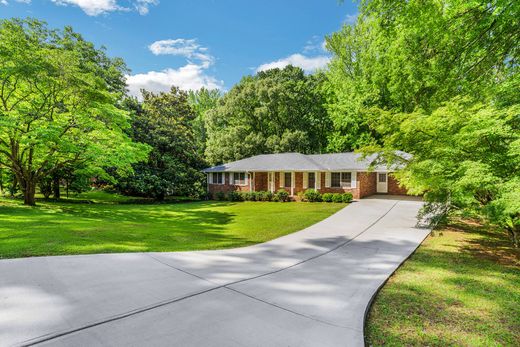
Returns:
point(295, 172)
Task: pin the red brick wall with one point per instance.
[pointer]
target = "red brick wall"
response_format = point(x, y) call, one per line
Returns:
point(260, 181)
point(354, 191)
point(226, 187)
point(394, 187)
point(298, 180)
point(367, 183)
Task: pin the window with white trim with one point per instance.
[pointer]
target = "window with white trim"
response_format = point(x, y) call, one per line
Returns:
point(218, 178)
point(311, 180)
point(287, 180)
point(340, 179)
point(239, 178)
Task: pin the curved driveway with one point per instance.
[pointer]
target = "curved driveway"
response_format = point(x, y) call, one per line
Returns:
point(309, 288)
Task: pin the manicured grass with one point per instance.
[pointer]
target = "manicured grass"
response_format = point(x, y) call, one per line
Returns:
point(460, 288)
point(101, 223)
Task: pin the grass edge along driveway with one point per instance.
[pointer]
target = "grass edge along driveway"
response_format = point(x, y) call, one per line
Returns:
point(59, 228)
point(460, 288)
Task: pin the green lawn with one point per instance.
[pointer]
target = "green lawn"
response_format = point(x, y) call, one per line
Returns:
point(98, 222)
point(461, 288)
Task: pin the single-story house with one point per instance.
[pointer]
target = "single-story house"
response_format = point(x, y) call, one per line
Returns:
point(296, 172)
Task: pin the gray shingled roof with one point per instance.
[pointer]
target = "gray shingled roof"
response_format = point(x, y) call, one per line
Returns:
point(298, 162)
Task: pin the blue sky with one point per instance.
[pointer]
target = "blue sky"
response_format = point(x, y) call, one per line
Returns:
point(194, 43)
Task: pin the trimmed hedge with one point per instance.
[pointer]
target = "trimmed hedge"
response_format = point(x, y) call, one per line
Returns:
point(312, 195)
point(281, 195)
point(327, 197)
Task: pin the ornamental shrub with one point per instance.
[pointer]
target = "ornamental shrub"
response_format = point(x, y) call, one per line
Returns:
point(221, 196)
point(234, 196)
point(264, 196)
point(337, 197)
point(327, 197)
point(282, 195)
point(347, 197)
point(312, 195)
point(248, 196)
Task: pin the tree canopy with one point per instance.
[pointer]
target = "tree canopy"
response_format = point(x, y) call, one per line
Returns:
point(279, 110)
point(164, 121)
point(58, 105)
point(439, 80)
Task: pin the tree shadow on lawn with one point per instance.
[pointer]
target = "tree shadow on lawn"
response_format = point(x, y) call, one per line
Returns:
point(460, 297)
point(114, 228)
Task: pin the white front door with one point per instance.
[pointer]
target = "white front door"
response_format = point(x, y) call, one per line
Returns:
point(382, 182)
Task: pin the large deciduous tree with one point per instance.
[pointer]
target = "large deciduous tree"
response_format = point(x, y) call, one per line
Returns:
point(278, 110)
point(164, 121)
point(440, 80)
point(202, 101)
point(58, 105)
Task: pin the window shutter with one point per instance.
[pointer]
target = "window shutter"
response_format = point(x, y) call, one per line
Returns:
point(231, 178)
point(353, 179)
point(210, 178)
point(282, 179)
point(306, 180)
point(327, 179)
point(318, 179)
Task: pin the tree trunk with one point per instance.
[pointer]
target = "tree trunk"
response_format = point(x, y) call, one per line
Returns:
point(29, 192)
point(515, 236)
point(56, 186)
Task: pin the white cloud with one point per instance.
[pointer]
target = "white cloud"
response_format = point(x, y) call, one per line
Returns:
point(5, 2)
point(315, 44)
point(188, 77)
point(97, 7)
point(142, 6)
point(308, 64)
point(188, 48)
point(191, 76)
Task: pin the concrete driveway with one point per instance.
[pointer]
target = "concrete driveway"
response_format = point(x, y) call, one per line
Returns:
point(310, 288)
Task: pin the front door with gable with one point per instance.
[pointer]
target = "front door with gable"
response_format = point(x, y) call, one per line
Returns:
point(382, 182)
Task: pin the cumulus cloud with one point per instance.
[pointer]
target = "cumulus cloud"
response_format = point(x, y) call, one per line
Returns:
point(308, 64)
point(5, 2)
point(192, 76)
point(188, 48)
point(315, 45)
point(97, 7)
point(143, 6)
point(188, 77)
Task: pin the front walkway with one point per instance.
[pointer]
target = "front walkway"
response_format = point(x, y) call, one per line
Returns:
point(310, 288)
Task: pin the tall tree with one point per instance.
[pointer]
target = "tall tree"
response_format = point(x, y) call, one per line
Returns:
point(277, 110)
point(165, 122)
point(58, 105)
point(202, 101)
point(438, 79)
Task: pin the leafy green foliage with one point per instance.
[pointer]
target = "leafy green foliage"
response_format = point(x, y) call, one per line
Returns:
point(281, 195)
point(327, 197)
point(312, 195)
point(164, 122)
point(347, 197)
point(438, 80)
point(273, 111)
point(202, 101)
point(58, 105)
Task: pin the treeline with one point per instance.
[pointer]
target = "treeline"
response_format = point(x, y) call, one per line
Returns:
point(436, 79)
